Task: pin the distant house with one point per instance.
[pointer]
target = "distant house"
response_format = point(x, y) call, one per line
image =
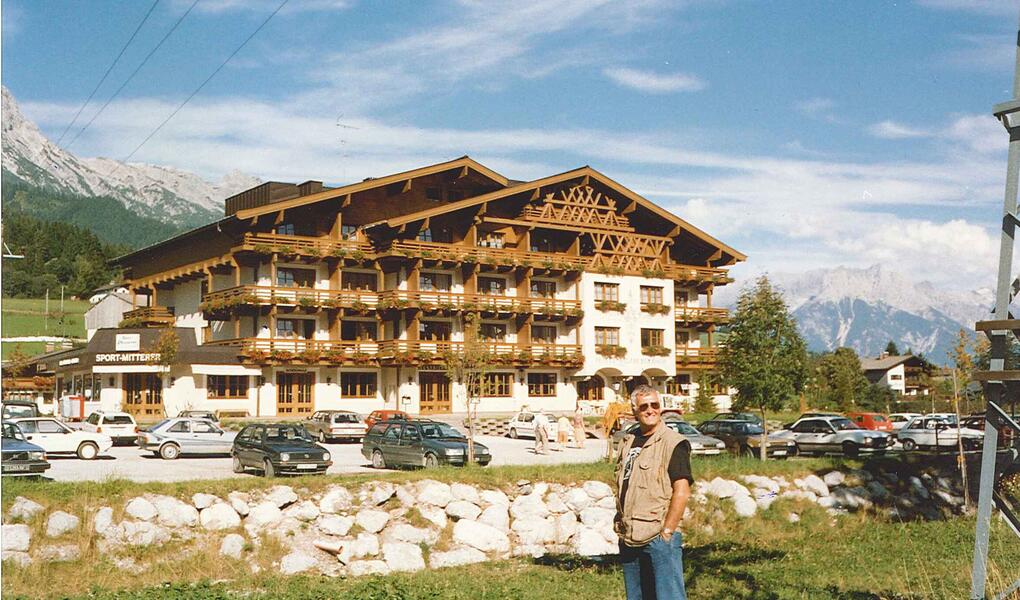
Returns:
point(106, 290)
point(108, 312)
point(901, 373)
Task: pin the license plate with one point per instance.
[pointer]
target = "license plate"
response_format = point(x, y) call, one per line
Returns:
point(307, 466)
point(16, 467)
point(780, 453)
point(713, 451)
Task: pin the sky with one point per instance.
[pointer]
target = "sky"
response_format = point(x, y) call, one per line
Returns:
point(804, 134)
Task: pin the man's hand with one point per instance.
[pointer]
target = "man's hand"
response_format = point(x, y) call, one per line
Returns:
point(666, 535)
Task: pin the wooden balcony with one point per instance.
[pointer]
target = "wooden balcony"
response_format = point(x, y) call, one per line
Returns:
point(148, 316)
point(508, 257)
point(257, 295)
point(501, 353)
point(429, 301)
point(701, 315)
point(305, 246)
point(301, 351)
point(698, 275)
point(692, 357)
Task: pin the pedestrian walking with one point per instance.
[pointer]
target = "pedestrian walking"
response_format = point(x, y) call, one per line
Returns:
point(562, 432)
point(653, 477)
point(541, 433)
point(579, 433)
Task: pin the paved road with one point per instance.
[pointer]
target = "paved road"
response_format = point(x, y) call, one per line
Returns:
point(128, 462)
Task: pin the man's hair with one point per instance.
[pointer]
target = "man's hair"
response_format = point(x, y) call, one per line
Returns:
point(640, 392)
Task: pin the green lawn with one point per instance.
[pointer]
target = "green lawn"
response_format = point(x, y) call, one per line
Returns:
point(27, 317)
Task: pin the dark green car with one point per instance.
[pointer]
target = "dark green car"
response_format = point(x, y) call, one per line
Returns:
point(418, 444)
point(278, 450)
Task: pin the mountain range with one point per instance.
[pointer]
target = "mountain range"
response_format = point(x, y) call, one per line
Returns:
point(859, 308)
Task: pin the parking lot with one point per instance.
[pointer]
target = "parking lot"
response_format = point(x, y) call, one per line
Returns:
point(128, 462)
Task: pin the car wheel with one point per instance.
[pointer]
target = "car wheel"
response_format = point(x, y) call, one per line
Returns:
point(268, 469)
point(513, 434)
point(169, 452)
point(909, 445)
point(322, 437)
point(794, 450)
point(238, 465)
point(377, 460)
point(850, 449)
point(746, 452)
point(431, 461)
point(88, 451)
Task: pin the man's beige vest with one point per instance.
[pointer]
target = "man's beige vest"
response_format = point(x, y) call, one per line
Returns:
point(649, 489)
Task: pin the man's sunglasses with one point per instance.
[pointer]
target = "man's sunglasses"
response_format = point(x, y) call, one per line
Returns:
point(647, 405)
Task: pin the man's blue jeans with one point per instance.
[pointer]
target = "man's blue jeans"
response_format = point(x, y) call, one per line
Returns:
point(655, 570)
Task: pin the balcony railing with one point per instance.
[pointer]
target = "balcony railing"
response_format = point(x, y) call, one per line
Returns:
point(301, 350)
point(242, 295)
point(490, 256)
point(701, 314)
point(149, 315)
point(686, 355)
point(268, 243)
point(692, 274)
point(434, 300)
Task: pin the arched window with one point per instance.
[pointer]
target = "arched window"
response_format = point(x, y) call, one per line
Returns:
point(591, 389)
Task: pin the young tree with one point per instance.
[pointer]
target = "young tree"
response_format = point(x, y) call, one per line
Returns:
point(964, 362)
point(765, 357)
point(469, 367)
point(891, 349)
point(703, 402)
point(842, 378)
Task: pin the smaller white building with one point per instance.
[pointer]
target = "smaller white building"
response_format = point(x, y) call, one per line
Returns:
point(898, 373)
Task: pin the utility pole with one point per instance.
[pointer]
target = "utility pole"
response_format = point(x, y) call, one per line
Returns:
point(46, 319)
point(63, 329)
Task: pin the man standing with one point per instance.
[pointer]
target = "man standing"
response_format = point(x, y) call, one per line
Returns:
point(653, 478)
point(541, 433)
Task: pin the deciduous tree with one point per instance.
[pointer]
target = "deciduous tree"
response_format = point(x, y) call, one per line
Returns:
point(843, 380)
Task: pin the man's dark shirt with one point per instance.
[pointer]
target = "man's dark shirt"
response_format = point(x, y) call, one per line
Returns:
point(679, 464)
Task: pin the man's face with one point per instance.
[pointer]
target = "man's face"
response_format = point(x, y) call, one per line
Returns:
point(648, 410)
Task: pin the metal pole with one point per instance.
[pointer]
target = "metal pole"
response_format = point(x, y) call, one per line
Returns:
point(979, 571)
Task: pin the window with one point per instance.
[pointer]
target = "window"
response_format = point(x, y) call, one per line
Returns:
point(895, 377)
point(226, 386)
point(607, 336)
point(609, 292)
point(203, 427)
point(495, 385)
point(393, 433)
point(352, 280)
point(286, 277)
point(651, 294)
point(541, 244)
point(179, 427)
point(682, 296)
point(425, 235)
point(541, 384)
point(683, 338)
point(434, 331)
point(679, 385)
point(651, 337)
point(358, 331)
point(50, 427)
point(591, 389)
point(411, 434)
point(543, 334)
point(358, 385)
point(284, 328)
point(434, 194)
point(492, 239)
point(492, 285)
point(543, 289)
point(495, 332)
point(435, 282)
point(285, 229)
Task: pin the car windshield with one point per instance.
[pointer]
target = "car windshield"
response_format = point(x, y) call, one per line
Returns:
point(281, 433)
point(11, 431)
point(843, 424)
point(118, 420)
point(345, 418)
point(684, 428)
point(878, 418)
point(754, 429)
point(16, 411)
point(439, 430)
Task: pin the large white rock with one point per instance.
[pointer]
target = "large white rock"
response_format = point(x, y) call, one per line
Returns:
point(497, 516)
point(382, 492)
point(456, 558)
point(262, 515)
point(60, 523)
point(61, 553)
point(577, 499)
point(232, 546)
point(239, 501)
point(462, 509)
point(141, 509)
point(22, 559)
point(554, 502)
point(403, 532)
point(765, 483)
point(281, 495)
point(175, 513)
point(744, 506)
point(494, 497)
point(15, 538)
point(401, 556)
point(434, 493)
point(598, 518)
point(607, 502)
point(24, 509)
point(566, 527)
point(799, 495)
point(463, 491)
point(814, 484)
point(359, 568)
point(535, 531)
point(297, 562)
point(372, 520)
point(203, 501)
point(481, 536)
point(589, 542)
point(596, 490)
point(302, 511)
point(528, 506)
point(725, 488)
point(366, 544)
point(434, 515)
point(219, 516)
point(337, 499)
point(144, 533)
point(834, 478)
point(405, 494)
point(102, 520)
point(335, 524)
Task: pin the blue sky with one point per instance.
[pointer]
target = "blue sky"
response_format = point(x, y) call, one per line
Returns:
point(806, 134)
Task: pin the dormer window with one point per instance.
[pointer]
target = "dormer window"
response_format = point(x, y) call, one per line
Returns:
point(285, 229)
point(348, 232)
point(425, 235)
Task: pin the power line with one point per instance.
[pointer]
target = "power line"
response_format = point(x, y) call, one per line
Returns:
point(107, 73)
point(203, 84)
point(133, 73)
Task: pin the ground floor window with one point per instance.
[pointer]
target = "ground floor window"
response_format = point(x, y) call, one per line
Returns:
point(494, 385)
point(591, 389)
point(358, 385)
point(226, 386)
point(143, 393)
point(679, 385)
point(541, 384)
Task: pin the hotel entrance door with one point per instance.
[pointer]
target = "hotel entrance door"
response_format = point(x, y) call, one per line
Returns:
point(435, 393)
point(143, 395)
point(294, 394)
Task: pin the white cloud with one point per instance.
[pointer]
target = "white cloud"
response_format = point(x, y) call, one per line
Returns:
point(890, 130)
point(986, 52)
point(818, 108)
point(655, 83)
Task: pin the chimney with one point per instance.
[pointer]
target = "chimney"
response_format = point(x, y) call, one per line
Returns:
point(883, 355)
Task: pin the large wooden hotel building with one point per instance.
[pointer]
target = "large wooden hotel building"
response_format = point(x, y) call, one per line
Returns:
point(307, 298)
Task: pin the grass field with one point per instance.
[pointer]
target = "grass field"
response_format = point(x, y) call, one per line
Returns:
point(27, 317)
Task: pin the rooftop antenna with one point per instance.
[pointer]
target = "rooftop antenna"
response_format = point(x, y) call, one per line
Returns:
point(343, 146)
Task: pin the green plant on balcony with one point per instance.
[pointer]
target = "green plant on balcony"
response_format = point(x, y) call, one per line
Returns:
point(357, 306)
point(287, 251)
point(335, 357)
point(427, 254)
point(611, 351)
point(576, 312)
point(311, 356)
point(524, 356)
point(446, 306)
point(525, 263)
point(655, 350)
point(424, 356)
point(565, 265)
point(248, 299)
point(549, 263)
point(131, 323)
point(263, 249)
point(308, 302)
point(490, 307)
point(358, 255)
point(655, 273)
point(470, 307)
point(281, 355)
point(574, 360)
point(505, 358)
point(338, 252)
point(361, 358)
point(426, 306)
point(507, 261)
point(655, 308)
point(256, 356)
point(313, 252)
point(610, 306)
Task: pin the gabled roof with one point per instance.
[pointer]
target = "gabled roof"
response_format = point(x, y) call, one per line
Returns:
point(581, 172)
point(458, 163)
point(884, 363)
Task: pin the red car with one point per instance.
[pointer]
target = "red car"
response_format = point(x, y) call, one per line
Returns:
point(872, 421)
point(386, 415)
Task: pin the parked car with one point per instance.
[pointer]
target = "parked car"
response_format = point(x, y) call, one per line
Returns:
point(171, 438)
point(200, 414)
point(418, 444)
point(329, 425)
point(950, 417)
point(737, 416)
point(978, 422)
point(56, 438)
point(120, 426)
point(700, 444)
point(811, 415)
point(936, 433)
point(870, 420)
point(278, 449)
point(743, 438)
point(19, 409)
point(898, 420)
point(385, 415)
point(819, 435)
point(19, 456)
point(523, 425)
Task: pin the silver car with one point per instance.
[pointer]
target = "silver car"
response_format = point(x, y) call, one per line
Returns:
point(172, 437)
point(328, 425)
point(820, 435)
point(701, 444)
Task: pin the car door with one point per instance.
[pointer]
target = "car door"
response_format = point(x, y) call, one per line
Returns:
point(826, 436)
point(242, 443)
point(526, 425)
point(389, 445)
point(805, 433)
point(727, 432)
point(54, 437)
point(410, 446)
point(208, 439)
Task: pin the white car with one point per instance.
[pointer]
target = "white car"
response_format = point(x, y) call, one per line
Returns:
point(948, 417)
point(523, 425)
point(56, 438)
point(819, 435)
point(120, 426)
point(898, 420)
point(936, 433)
